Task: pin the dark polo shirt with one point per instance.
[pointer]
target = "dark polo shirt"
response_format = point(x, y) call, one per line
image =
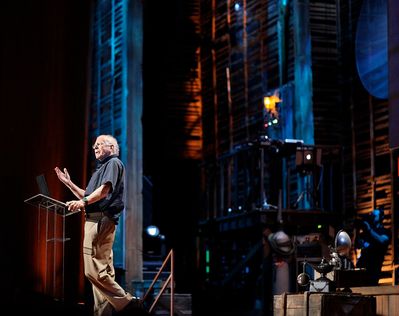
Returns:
point(110, 170)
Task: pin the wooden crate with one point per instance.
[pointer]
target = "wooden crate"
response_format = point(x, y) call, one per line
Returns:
point(387, 298)
point(324, 304)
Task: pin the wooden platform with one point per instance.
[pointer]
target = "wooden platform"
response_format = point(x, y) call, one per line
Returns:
point(324, 304)
point(387, 298)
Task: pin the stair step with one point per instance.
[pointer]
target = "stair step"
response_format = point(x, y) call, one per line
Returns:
point(140, 288)
point(150, 275)
point(182, 304)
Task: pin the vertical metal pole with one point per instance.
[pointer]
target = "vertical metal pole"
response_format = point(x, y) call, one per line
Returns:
point(55, 240)
point(172, 284)
point(221, 208)
point(63, 255)
point(38, 240)
point(45, 255)
point(372, 154)
point(288, 188)
point(262, 196)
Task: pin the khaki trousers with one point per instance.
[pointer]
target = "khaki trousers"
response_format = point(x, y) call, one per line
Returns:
point(98, 240)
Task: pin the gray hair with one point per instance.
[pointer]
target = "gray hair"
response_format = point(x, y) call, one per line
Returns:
point(111, 140)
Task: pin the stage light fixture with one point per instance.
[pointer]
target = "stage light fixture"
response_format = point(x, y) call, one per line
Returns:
point(307, 157)
point(152, 231)
point(237, 6)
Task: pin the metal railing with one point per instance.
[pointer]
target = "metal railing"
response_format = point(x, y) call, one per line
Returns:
point(169, 281)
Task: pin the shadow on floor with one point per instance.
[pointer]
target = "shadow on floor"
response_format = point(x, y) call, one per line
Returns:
point(38, 304)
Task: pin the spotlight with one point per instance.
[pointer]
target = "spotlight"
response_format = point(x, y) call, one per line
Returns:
point(154, 244)
point(307, 157)
point(237, 6)
point(152, 230)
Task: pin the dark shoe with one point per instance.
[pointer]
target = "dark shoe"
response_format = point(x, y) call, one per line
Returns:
point(134, 307)
point(135, 303)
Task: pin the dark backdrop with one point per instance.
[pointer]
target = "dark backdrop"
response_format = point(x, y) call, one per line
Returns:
point(43, 72)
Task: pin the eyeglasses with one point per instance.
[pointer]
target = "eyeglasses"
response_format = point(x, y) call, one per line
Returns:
point(95, 146)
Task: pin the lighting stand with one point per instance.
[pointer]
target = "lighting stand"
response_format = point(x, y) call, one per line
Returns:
point(308, 195)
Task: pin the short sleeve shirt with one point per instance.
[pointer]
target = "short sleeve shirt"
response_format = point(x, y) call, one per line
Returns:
point(111, 170)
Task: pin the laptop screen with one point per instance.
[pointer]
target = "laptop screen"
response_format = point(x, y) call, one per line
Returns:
point(43, 188)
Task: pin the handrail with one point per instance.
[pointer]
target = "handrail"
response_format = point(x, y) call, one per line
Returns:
point(169, 281)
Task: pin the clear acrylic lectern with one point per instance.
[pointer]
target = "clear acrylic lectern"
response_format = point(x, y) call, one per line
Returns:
point(51, 242)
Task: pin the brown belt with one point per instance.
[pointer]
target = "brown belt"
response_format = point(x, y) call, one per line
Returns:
point(94, 216)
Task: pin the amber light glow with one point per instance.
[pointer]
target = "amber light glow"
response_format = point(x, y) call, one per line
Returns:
point(269, 103)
